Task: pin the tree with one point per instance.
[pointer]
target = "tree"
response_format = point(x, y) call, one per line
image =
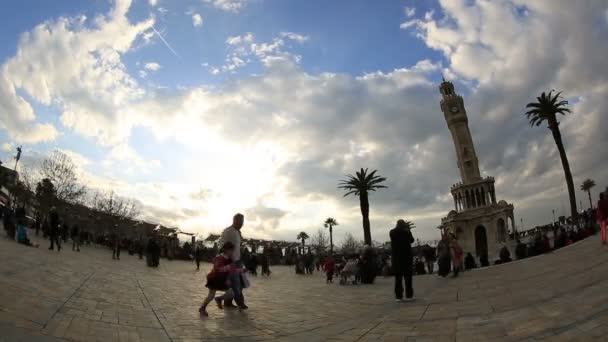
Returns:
point(23, 190)
point(360, 185)
point(303, 237)
point(320, 240)
point(546, 109)
point(59, 168)
point(330, 223)
point(45, 195)
point(350, 244)
point(586, 186)
point(115, 208)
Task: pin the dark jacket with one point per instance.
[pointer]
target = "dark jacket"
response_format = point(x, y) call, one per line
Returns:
point(401, 245)
point(54, 218)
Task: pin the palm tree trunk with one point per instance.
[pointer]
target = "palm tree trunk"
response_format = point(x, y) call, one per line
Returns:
point(590, 201)
point(557, 136)
point(331, 240)
point(364, 202)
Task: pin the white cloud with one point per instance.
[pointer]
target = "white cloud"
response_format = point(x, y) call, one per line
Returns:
point(153, 3)
point(410, 11)
point(244, 48)
point(7, 147)
point(300, 38)
point(237, 40)
point(228, 5)
point(197, 20)
point(76, 66)
point(152, 66)
point(130, 158)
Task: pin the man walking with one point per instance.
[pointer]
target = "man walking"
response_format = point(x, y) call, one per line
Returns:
point(401, 240)
point(232, 234)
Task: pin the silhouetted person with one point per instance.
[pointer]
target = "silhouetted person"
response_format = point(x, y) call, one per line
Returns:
point(429, 258)
point(198, 256)
point(602, 215)
point(38, 223)
point(8, 221)
point(401, 247)
point(75, 235)
point(520, 250)
point(504, 255)
point(64, 232)
point(116, 243)
point(419, 266)
point(153, 252)
point(444, 256)
point(469, 262)
point(483, 260)
point(54, 229)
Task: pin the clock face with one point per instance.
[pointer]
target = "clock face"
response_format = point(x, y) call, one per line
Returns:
point(454, 109)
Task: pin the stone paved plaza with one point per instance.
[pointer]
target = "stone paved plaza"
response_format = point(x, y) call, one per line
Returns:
point(48, 296)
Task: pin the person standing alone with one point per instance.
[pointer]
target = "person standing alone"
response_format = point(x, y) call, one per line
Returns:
point(401, 247)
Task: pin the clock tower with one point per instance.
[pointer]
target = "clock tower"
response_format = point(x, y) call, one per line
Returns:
point(481, 224)
point(455, 114)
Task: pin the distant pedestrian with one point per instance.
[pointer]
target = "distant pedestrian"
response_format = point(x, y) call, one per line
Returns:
point(75, 235)
point(401, 247)
point(521, 252)
point(116, 243)
point(54, 229)
point(602, 215)
point(198, 256)
point(444, 256)
point(329, 267)
point(456, 255)
point(265, 260)
point(469, 262)
point(429, 258)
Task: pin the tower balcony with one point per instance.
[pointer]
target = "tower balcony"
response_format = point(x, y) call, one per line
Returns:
point(474, 195)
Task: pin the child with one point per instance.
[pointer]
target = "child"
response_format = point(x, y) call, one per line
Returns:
point(329, 268)
point(218, 278)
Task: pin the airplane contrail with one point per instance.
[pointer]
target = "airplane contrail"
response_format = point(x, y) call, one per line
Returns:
point(164, 41)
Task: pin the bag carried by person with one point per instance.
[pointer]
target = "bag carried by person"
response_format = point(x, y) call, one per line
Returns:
point(245, 280)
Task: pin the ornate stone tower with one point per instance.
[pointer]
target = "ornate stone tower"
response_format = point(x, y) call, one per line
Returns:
point(479, 222)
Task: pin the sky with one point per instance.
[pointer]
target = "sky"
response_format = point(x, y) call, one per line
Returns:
point(200, 109)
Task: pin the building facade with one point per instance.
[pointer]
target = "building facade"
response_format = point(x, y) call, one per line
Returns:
point(480, 223)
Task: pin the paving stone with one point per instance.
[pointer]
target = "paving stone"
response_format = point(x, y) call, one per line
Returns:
point(87, 296)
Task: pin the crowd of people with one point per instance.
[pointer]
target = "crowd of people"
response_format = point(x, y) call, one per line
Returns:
point(232, 266)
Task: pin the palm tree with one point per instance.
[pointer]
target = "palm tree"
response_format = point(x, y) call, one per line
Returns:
point(330, 223)
point(360, 185)
point(586, 186)
point(546, 109)
point(303, 236)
